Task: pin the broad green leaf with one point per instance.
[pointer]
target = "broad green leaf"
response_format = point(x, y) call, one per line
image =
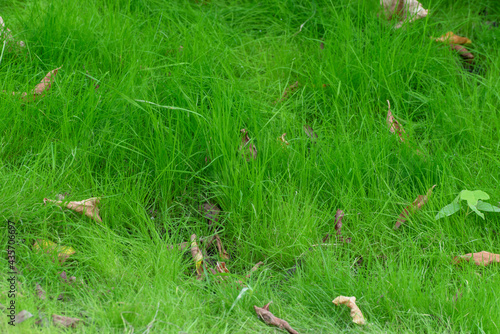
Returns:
point(448, 210)
point(487, 207)
point(473, 196)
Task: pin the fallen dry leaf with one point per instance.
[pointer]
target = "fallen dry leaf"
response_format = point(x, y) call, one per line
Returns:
point(288, 92)
point(211, 212)
point(283, 140)
point(221, 268)
point(417, 204)
point(270, 319)
point(357, 316)
point(22, 316)
point(220, 247)
point(254, 268)
point(251, 151)
point(338, 227)
point(65, 279)
point(463, 52)
point(39, 292)
point(6, 34)
point(197, 257)
point(88, 207)
point(481, 259)
point(49, 247)
point(403, 10)
point(66, 322)
point(393, 124)
point(451, 38)
point(310, 133)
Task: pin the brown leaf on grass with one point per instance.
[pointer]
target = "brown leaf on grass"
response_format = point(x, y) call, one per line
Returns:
point(270, 319)
point(248, 149)
point(288, 92)
point(310, 133)
point(39, 292)
point(338, 227)
point(221, 268)
point(22, 316)
point(481, 259)
point(417, 204)
point(211, 212)
point(88, 207)
point(6, 34)
point(46, 82)
point(254, 268)
point(65, 322)
point(182, 246)
point(403, 11)
point(463, 52)
point(357, 316)
point(283, 140)
point(451, 38)
point(197, 257)
point(65, 279)
point(49, 247)
point(393, 124)
point(220, 247)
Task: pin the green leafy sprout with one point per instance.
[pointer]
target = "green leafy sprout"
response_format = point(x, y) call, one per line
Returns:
point(474, 201)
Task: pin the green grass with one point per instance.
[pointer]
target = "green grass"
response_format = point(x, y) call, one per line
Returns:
point(236, 59)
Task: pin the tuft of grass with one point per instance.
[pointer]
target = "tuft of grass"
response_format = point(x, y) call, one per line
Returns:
point(177, 81)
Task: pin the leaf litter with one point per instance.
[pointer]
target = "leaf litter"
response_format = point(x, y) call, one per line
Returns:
point(405, 11)
point(417, 204)
point(270, 319)
point(357, 316)
point(88, 207)
point(481, 259)
point(49, 247)
point(247, 149)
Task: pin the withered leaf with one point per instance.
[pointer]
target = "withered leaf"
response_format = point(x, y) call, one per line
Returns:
point(451, 38)
point(254, 268)
point(211, 212)
point(6, 34)
point(403, 11)
point(393, 124)
point(40, 292)
point(338, 221)
point(310, 133)
point(357, 316)
point(417, 204)
point(270, 319)
point(221, 268)
point(65, 279)
point(283, 140)
point(22, 316)
point(88, 207)
point(463, 52)
point(481, 259)
point(251, 150)
point(220, 247)
point(65, 322)
point(197, 257)
point(49, 247)
point(288, 92)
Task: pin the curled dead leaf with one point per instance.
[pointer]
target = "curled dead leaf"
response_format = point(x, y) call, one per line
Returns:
point(481, 259)
point(310, 133)
point(6, 34)
point(270, 319)
point(288, 92)
point(49, 247)
point(211, 212)
point(22, 316)
point(88, 207)
point(197, 257)
point(254, 268)
point(357, 316)
point(247, 148)
point(40, 292)
point(403, 10)
point(417, 204)
point(451, 38)
point(393, 124)
point(463, 52)
point(65, 322)
point(283, 140)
